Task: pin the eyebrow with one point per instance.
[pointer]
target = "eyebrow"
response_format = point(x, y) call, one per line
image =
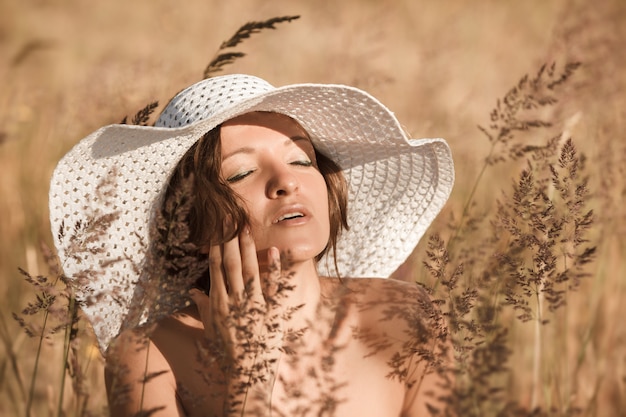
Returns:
point(249, 150)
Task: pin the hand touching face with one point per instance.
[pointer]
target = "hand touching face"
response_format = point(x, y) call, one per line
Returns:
point(268, 160)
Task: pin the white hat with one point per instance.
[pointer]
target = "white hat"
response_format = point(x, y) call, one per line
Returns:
point(104, 191)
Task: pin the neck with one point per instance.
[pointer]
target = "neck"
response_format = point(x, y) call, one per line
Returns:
point(304, 290)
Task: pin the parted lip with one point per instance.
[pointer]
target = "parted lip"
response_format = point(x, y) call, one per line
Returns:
point(290, 211)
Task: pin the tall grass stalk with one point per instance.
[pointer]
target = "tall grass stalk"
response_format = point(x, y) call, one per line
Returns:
point(144, 381)
point(538, 344)
point(538, 323)
point(512, 115)
point(12, 358)
point(71, 310)
point(33, 379)
point(470, 198)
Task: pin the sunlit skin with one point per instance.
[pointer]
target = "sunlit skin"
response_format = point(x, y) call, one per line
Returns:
point(269, 162)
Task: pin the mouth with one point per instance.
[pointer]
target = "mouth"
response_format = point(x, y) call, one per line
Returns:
point(289, 216)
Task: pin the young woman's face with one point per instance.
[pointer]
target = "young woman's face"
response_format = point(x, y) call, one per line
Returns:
point(268, 160)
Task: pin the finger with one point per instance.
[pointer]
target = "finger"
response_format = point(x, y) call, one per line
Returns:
point(272, 280)
point(217, 291)
point(250, 266)
point(273, 258)
point(231, 260)
point(202, 301)
point(204, 305)
point(262, 258)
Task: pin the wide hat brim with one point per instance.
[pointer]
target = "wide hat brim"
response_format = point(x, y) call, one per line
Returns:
point(104, 191)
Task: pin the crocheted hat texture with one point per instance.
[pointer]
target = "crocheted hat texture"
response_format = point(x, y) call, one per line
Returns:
point(105, 190)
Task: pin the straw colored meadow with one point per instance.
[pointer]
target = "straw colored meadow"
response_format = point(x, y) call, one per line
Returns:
point(525, 261)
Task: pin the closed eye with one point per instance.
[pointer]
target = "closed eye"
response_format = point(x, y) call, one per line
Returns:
point(239, 176)
point(303, 163)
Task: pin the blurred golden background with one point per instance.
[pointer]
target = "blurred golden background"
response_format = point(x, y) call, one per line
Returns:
point(68, 67)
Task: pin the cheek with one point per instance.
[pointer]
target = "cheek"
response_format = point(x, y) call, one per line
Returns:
point(323, 204)
point(245, 195)
point(251, 207)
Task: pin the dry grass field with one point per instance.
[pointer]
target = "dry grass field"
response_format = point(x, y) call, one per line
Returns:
point(68, 67)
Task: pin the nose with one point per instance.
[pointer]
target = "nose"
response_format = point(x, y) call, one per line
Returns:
point(282, 182)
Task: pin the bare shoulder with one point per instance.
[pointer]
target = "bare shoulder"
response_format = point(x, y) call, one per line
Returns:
point(138, 377)
point(388, 292)
point(132, 352)
point(400, 324)
point(395, 308)
point(154, 370)
point(383, 285)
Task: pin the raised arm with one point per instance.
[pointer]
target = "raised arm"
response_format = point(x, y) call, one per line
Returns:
point(236, 314)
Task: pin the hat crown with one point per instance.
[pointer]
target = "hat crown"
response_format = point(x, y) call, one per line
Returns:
point(209, 97)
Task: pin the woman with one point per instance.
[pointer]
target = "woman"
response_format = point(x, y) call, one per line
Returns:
point(285, 206)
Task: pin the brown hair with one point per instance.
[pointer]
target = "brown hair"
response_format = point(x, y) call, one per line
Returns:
point(213, 200)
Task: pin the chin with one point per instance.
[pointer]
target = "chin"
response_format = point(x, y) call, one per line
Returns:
point(297, 252)
point(297, 245)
